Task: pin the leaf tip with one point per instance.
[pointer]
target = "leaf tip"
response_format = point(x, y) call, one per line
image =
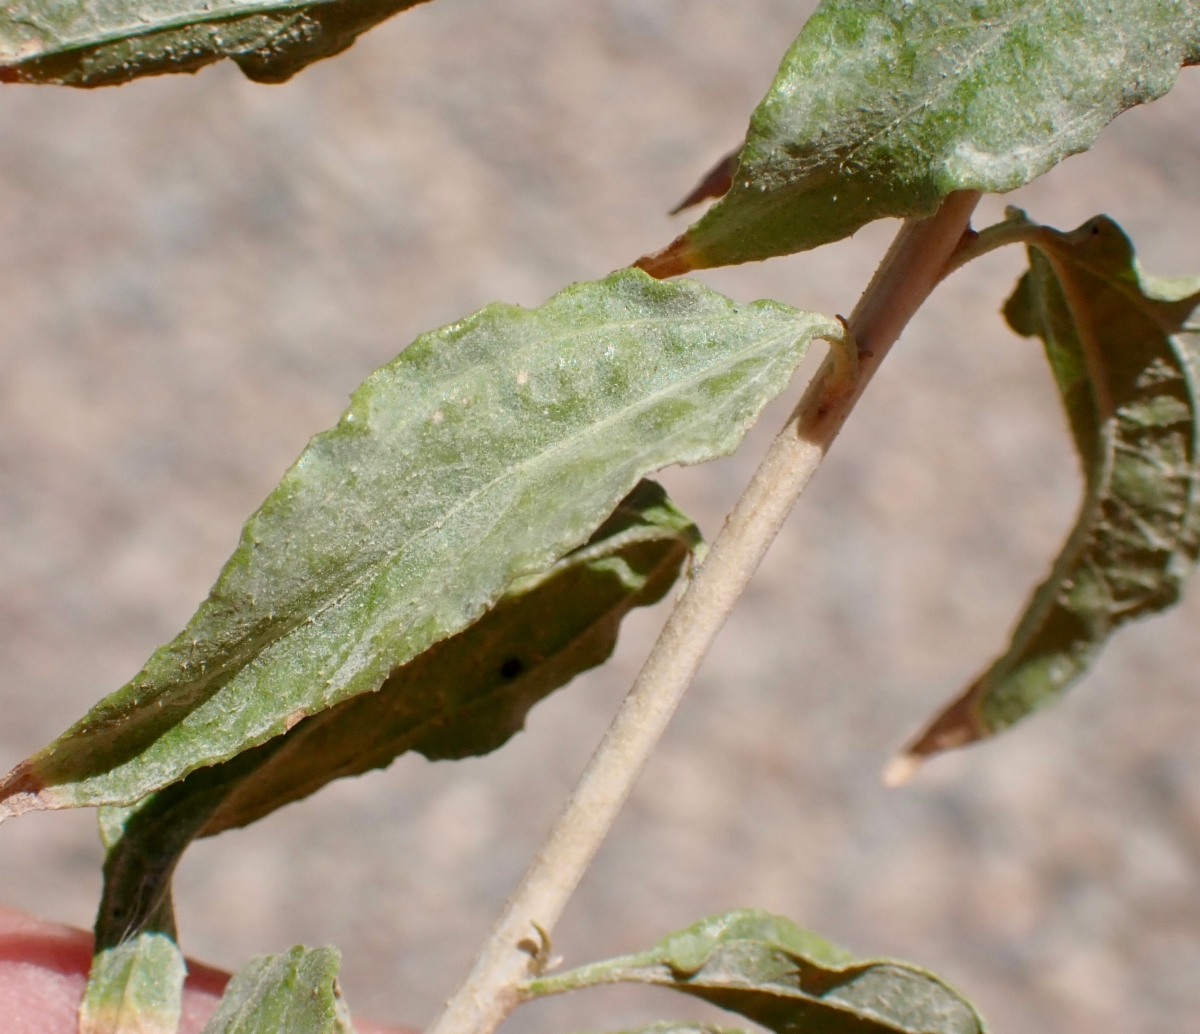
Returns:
point(21, 791)
point(958, 725)
point(716, 182)
point(675, 259)
point(900, 770)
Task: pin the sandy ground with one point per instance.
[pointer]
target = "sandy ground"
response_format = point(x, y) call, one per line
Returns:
point(198, 270)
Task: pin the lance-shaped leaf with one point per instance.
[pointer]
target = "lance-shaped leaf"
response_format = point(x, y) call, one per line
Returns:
point(481, 455)
point(784, 978)
point(465, 695)
point(295, 992)
point(883, 107)
point(105, 42)
point(1129, 382)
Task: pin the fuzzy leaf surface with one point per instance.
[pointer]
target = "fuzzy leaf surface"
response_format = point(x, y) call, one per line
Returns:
point(106, 42)
point(1129, 378)
point(135, 987)
point(295, 992)
point(785, 978)
point(485, 452)
point(883, 107)
point(480, 456)
point(465, 695)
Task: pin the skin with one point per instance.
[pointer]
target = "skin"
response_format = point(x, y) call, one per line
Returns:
point(44, 966)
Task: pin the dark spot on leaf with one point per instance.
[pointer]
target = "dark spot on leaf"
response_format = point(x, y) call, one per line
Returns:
point(512, 667)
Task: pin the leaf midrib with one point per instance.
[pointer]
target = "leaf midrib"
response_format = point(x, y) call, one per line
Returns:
point(388, 558)
point(590, 430)
point(153, 28)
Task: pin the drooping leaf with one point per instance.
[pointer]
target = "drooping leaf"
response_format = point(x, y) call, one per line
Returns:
point(481, 455)
point(784, 978)
point(105, 42)
point(295, 992)
point(883, 107)
point(1129, 383)
point(465, 695)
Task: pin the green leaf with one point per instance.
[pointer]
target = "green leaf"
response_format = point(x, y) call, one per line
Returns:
point(481, 455)
point(135, 987)
point(465, 695)
point(784, 978)
point(292, 993)
point(105, 42)
point(883, 107)
point(1129, 384)
point(468, 694)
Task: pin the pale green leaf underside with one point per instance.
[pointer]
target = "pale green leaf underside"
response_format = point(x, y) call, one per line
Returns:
point(485, 452)
point(1130, 385)
point(295, 992)
point(135, 987)
point(784, 978)
point(104, 42)
point(883, 107)
point(465, 695)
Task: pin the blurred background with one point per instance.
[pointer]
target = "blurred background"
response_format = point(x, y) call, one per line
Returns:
point(198, 270)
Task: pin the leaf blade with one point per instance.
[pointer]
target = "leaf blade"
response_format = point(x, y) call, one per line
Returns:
point(105, 44)
point(784, 978)
point(461, 697)
point(881, 108)
point(535, 422)
point(555, 626)
point(135, 987)
point(1130, 386)
point(295, 992)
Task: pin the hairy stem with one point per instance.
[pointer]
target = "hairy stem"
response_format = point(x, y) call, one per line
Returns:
point(516, 946)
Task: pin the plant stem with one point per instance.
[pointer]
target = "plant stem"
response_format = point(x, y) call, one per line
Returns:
point(908, 273)
point(1016, 229)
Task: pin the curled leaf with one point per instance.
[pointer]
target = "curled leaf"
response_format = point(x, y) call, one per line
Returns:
point(1129, 384)
point(882, 108)
point(485, 452)
point(785, 978)
point(295, 992)
point(90, 43)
